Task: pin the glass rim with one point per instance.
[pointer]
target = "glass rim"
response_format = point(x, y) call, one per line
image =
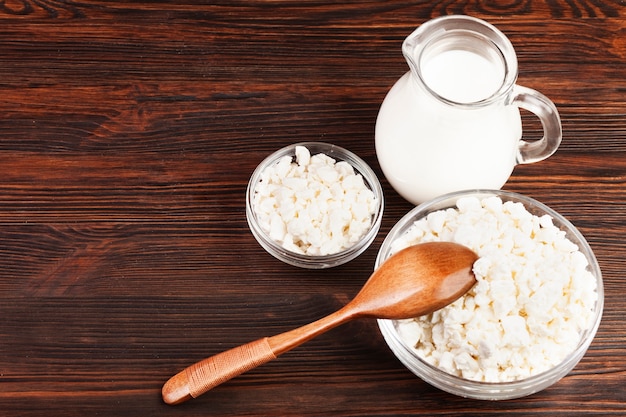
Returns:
point(431, 32)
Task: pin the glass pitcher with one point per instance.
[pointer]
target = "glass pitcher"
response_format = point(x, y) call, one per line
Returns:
point(452, 122)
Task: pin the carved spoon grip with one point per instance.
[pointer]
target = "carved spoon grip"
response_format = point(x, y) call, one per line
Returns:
point(200, 377)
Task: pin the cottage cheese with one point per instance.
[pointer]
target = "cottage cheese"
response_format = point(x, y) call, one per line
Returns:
point(313, 205)
point(533, 298)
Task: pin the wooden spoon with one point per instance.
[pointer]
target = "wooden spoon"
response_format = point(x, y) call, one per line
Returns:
point(415, 281)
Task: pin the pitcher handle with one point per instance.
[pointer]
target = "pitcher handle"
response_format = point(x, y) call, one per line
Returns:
point(544, 108)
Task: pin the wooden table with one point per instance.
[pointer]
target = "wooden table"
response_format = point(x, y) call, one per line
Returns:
point(128, 132)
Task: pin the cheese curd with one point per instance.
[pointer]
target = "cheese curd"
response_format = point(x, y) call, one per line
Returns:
point(312, 204)
point(533, 298)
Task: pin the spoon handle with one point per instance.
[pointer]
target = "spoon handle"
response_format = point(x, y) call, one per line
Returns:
point(202, 376)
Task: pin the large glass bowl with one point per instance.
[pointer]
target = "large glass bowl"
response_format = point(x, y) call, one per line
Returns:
point(320, 261)
point(489, 390)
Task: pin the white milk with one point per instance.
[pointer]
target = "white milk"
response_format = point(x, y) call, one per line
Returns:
point(426, 147)
point(462, 76)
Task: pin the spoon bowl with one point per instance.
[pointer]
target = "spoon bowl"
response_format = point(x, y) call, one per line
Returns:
point(415, 281)
point(419, 280)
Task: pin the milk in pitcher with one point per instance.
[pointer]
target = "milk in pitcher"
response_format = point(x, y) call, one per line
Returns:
point(452, 122)
point(429, 143)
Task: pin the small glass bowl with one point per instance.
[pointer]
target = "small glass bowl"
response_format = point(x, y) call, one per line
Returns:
point(322, 261)
point(489, 390)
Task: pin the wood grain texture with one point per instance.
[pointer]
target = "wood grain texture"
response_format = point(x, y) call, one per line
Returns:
point(128, 132)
